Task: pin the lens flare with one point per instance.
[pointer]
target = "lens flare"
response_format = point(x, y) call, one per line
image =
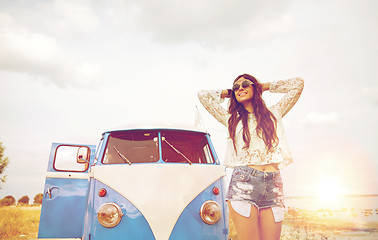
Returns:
point(329, 191)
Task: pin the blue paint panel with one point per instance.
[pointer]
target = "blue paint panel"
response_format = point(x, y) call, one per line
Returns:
point(63, 215)
point(89, 211)
point(190, 225)
point(133, 225)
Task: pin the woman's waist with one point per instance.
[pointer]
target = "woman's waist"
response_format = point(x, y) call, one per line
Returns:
point(261, 163)
point(273, 167)
point(256, 172)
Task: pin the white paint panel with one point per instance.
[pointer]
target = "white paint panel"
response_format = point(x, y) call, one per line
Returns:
point(160, 191)
point(67, 175)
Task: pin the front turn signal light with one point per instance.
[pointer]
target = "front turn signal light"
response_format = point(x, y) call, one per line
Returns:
point(210, 212)
point(109, 215)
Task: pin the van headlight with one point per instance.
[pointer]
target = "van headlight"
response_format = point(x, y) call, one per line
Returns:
point(109, 215)
point(210, 212)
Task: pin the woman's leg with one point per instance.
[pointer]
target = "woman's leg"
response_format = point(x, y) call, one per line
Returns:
point(269, 229)
point(246, 228)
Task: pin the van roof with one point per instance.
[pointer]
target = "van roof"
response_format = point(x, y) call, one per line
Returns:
point(156, 126)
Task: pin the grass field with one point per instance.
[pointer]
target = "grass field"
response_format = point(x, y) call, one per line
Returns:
point(326, 225)
point(19, 222)
point(22, 223)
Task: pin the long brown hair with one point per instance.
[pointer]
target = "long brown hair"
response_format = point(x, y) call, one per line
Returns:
point(266, 121)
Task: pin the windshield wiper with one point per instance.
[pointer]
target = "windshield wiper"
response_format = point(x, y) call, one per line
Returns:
point(123, 157)
point(177, 151)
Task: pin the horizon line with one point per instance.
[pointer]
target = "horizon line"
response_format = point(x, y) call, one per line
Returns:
point(343, 195)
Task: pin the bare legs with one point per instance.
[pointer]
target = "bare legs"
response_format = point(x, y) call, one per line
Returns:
point(269, 229)
point(259, 225)
point(246, 228)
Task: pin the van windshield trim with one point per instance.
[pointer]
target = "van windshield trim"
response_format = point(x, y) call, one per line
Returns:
point(158, 146)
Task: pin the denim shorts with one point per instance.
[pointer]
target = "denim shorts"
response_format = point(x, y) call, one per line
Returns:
point(262, 189)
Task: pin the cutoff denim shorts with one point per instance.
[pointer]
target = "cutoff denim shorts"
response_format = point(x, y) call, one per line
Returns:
point(262, 189)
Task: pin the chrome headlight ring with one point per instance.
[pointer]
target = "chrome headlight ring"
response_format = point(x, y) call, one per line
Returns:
point(109, 215)
point(210, 212)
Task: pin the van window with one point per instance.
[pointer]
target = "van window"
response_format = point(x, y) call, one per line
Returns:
point(67, 156)
point(185, 147)
point(132, 147)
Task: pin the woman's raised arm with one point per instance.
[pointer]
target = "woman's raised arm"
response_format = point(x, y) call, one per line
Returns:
point(211, 101)
point(293, 88)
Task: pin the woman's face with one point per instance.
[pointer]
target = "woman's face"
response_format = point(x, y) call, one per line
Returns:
point(243, 94)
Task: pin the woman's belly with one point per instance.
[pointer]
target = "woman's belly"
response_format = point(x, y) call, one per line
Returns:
point(265, 168)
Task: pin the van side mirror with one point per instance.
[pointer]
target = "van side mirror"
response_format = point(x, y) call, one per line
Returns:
point(71, 158)
point(82, 155)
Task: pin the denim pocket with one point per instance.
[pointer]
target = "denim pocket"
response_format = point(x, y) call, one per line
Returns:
point(278, 191)
point(240, 176)
point(278, 181)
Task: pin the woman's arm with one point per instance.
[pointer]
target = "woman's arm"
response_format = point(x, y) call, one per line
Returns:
point(265, 86)
point(211, 101)
point(226, 93)
point(293, 88)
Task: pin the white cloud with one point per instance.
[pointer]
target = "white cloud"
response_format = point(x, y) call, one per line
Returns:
point(25, 49)
point(75, 15)
point(6, 21)
point(42, 57)
point(208, 22)
point(316, 118)
point(371, 94)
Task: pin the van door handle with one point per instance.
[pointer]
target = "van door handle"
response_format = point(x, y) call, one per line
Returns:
point(49, 192)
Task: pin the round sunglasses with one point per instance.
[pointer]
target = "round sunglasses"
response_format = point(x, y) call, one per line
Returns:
point(244, 84)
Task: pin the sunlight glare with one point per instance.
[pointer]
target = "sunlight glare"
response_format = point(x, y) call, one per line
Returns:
point(329, 189)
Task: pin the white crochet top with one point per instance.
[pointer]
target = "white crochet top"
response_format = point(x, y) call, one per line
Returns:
point(257, 153)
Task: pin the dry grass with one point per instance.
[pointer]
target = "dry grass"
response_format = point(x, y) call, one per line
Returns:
point(328, 225)
point(19, 222)
point(22, 223)
point(323, 225)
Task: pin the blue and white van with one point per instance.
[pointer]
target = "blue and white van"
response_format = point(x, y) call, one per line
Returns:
point(142, 183)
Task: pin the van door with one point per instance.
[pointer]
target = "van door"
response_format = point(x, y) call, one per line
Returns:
point(66, 191)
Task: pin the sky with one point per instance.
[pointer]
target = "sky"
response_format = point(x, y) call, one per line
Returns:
point(73, 69)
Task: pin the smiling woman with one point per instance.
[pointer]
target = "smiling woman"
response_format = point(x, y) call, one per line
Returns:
point(257, 149)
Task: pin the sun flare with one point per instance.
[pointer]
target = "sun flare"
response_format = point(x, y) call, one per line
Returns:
point(329, 189)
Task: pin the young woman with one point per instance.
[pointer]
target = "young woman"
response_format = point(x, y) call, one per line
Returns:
point(257, 150)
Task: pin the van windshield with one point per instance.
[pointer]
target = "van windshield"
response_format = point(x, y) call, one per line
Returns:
point(132, 147)
point(142, 146)
point(185, 147)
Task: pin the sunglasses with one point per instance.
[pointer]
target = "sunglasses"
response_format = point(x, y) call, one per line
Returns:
point(244, 84)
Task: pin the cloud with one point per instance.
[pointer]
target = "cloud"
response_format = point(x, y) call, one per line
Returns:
point(208, 22)
point(371, 94)
point(75, 15)
point(42, 57)
point(315, 118)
